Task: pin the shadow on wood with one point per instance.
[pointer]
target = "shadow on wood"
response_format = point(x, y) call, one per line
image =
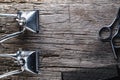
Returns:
point(102, 73)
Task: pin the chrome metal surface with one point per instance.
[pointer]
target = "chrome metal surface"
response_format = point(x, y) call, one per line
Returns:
point(8, 15)
point(28, 60)
point(28, 20)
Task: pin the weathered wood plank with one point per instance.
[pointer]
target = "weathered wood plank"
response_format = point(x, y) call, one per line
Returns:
point(68, 39)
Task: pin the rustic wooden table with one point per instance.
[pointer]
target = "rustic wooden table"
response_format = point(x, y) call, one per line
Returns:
point(68, 39)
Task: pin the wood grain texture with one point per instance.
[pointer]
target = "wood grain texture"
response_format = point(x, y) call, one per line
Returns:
point(68, 39)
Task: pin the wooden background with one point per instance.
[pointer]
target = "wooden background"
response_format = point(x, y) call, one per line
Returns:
point(68, 39)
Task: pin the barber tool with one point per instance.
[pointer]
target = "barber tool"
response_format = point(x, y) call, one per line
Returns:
point(28, 20)
point(27, 60)
point(106, 34)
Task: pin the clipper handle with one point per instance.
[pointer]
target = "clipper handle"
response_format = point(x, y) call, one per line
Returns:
point(9, 36)
point(10, 73)
point(8, 15)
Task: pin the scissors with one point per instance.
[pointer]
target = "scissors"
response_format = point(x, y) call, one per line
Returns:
point(105, 33)
point(110, 36)
point(116, 39)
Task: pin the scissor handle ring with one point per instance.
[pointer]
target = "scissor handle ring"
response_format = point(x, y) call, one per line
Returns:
point(105, 38)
